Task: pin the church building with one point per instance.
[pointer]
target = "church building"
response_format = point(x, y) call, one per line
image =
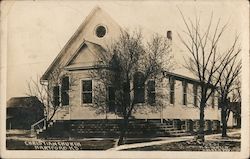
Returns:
point(78, 56)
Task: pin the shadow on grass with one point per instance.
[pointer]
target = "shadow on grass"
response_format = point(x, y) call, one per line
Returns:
point(193, 146)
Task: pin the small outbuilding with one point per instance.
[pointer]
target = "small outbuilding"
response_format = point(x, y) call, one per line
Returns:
point(22, 112)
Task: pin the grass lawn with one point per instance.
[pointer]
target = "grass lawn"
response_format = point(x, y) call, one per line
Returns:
point(21, 140)
point(193, 146)
point(229, 137)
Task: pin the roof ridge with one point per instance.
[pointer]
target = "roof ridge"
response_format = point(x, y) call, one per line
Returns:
point(22, 97)
point(93, 43)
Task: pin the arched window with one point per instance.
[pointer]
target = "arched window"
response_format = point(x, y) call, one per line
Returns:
point(139, 87)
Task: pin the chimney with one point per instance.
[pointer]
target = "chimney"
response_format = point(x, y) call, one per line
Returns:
point(169, 34)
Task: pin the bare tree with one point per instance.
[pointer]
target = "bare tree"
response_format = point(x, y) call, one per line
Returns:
point(227, 87)
point(206, 61)
point(236, 90)
point(39, 91)
point(236, 99)
point(46, 94)
point(127, 66)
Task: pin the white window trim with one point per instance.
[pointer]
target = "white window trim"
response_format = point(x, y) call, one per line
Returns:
point(100, 24)
point(81, 81)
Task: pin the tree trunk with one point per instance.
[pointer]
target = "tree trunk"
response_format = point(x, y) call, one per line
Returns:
point(201, 122)
point(54, 112)
point(126, 115)
point(123, 129)
point(224, 120)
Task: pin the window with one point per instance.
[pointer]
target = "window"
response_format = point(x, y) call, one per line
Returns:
point(151, 92)
point(172, 91)
point(100, 31)
point(126, 91)
point(139, 89)
point(87, 91)
point(235, 121)
point(212, 100)
point(219, 102)
point(195, 92)
point(56, 97)
point(111, 99)
point(184, 98)
point(65, 91)
point(169, 35)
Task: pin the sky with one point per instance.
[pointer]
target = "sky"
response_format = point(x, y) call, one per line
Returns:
point(37, 30)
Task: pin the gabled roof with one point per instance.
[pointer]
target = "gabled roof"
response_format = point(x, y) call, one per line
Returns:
point(180, 77)
point(96, 49)
point(69, 43)
point(23, 102)
point(72, 47)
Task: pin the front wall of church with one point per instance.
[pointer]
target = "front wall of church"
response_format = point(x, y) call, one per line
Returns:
point(77, 110)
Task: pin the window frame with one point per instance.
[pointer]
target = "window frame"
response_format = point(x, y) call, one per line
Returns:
point(184, 92)
point(81, 92)
point(195, 94)
point(171, 91)
point(151, 92)
point(219, 102)
point(96, 28)
point(58, 95)
point(141, 89)
point(213, 99)
point(109, 101)
point(64, 91)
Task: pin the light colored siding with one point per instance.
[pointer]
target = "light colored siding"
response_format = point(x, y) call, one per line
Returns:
point(178, 110)
point(77, 110)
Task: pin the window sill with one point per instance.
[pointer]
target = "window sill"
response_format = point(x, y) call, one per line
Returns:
point(140, 104)
point(64, 105)
point(86, 104)
point(152, 104)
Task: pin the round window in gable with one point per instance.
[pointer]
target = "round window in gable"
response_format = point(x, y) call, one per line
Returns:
point(100, 31)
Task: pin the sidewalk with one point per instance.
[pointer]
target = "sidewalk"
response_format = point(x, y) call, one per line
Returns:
point(166, 140)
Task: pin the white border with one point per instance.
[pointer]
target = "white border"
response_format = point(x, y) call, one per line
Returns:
point(104, 154)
